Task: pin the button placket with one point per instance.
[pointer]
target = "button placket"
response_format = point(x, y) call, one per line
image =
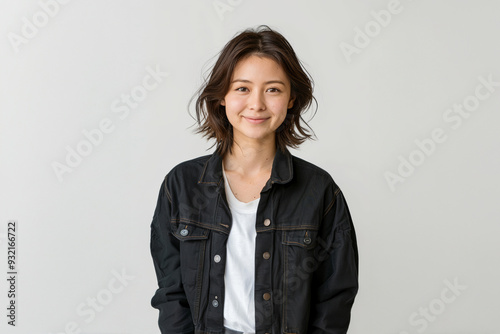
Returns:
point(264, 247)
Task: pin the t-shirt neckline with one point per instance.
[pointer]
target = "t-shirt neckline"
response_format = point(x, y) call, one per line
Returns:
point(235, 203)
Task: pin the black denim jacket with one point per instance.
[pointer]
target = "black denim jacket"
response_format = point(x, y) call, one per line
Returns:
point(306, 256)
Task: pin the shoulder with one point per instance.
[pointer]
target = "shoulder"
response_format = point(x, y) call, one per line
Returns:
point(312, 173)
point(188, 169)
point(194, 163)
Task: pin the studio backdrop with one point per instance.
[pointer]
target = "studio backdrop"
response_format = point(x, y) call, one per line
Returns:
point(94, 112)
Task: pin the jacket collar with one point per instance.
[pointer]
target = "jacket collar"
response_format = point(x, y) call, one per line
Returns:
point(282, 170)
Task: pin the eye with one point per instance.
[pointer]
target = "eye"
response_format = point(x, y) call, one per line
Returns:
point(274, 90)
point(241, 89)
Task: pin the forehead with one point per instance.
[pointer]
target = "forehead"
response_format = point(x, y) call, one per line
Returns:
point(258, 67)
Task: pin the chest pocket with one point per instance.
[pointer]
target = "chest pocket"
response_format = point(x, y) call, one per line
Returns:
point(306, 239)
point(186, 232)
point(192, 247)
point(299, 264)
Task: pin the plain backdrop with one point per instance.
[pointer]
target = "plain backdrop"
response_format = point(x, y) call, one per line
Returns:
point(407, 125)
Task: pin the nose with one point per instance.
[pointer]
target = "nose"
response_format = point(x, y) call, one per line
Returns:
point(256, 101)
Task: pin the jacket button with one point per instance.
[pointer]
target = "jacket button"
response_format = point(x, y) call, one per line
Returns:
point(215, 303)
point(307, 240)
point(217, 258)
point(266, 255)
point(266, 296)
point(267, 222)
point(184, 232)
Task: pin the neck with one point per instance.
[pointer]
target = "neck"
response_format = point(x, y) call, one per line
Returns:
point(249, 160)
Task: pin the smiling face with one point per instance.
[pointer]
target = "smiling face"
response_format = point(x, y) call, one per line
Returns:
point(258, 98)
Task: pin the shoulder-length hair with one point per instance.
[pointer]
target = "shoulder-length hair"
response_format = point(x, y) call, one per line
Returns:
point(263, 42)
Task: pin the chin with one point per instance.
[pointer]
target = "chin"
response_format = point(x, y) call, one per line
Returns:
point(257, 135)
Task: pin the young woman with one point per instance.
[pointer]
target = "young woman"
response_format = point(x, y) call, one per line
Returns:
point(251, 239)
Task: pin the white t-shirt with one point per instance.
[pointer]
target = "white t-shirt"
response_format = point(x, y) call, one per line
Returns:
point(239, 277)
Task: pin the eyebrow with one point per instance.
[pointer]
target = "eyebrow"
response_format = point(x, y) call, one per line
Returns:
point(267, 82)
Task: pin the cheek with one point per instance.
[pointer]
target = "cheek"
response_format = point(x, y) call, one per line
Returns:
point(234, 104)
point(279, 108)
point(279, 103)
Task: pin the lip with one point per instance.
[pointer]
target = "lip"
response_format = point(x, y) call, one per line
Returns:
point(255, 120)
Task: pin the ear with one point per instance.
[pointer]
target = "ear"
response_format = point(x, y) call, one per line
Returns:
point(222, 102)
point(290, 103)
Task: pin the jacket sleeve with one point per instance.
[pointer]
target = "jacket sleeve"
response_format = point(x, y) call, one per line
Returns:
point(170, 298)
point(335, 282)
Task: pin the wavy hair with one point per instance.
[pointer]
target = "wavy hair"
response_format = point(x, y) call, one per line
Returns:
point(263, 42)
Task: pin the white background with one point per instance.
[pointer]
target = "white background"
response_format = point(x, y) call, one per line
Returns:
point(440, 224)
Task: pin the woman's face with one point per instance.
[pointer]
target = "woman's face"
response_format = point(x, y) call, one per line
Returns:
point(257, 100)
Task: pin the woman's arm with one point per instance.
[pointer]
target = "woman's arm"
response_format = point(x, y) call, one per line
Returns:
point(170, 298)
point(335, 282)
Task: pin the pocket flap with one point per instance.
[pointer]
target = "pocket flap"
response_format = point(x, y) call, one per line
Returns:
point(187, 232)
point(302, 238)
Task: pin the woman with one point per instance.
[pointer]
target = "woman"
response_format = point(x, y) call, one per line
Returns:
point(251, 239)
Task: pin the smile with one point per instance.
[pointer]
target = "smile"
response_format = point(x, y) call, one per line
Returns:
point(256, 120)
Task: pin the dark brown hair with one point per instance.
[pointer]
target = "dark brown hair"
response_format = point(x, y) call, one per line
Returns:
point(263, 42)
